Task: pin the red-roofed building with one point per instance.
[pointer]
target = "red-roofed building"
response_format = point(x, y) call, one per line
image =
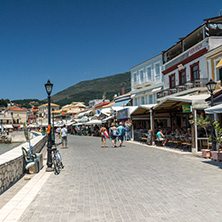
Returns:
point(18, 115)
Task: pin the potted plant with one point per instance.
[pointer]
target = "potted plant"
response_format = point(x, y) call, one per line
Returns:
point(202, 122)
point(217, 155)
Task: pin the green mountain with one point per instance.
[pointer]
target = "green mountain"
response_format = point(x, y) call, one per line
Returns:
point(93, 89)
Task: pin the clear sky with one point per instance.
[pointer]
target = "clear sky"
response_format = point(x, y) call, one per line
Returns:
point(68, 41)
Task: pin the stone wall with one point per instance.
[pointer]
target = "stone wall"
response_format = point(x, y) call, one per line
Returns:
point(11, 162)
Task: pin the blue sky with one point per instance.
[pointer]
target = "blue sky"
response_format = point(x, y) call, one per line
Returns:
point(71, 41)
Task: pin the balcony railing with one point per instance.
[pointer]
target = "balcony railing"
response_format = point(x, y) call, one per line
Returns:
point(179, 88)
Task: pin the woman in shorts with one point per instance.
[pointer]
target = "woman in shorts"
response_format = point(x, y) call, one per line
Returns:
point(113, 134)
point(103, 131)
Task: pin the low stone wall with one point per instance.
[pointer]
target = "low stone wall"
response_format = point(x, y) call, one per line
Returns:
point(11, 162)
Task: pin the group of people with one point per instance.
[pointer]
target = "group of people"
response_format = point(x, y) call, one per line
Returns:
point(114, 133)
point(177, 133)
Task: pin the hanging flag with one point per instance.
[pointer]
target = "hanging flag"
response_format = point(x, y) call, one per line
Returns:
point(26, 132)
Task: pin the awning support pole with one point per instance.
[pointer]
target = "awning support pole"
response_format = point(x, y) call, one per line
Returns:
point(195, 128)
point(152, 125)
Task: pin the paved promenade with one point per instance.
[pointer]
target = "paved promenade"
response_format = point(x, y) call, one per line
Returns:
point(131, 183)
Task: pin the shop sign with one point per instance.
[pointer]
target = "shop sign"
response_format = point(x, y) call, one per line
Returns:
point(122, 114)
point(186, 108)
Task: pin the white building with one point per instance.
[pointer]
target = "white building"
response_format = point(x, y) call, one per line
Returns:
point(146, 81)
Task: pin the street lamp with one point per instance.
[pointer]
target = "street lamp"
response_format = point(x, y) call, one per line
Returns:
point(211, 85)
point(48, 87)
point(53, 128)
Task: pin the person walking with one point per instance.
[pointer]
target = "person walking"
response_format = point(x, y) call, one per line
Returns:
point(104, 134)
point(121, 132)
point(113, 132)
point(64, 136)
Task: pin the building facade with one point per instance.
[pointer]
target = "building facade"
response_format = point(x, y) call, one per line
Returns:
point(146, 81)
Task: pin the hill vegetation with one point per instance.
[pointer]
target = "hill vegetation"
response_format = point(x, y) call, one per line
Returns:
point(93, 89)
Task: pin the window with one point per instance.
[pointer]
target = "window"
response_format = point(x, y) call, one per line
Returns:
point(182, 77)
point(151, 99)
point(141, 75)
point(218, 73)
point(157, 71)
point(136, 104)
point(149, 77)
point(142, 100)
point(17, 121)
point(172, 81)
point(194, 70)
point(7, 122)
point(134, 77)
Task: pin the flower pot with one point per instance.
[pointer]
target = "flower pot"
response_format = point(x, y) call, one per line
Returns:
point(216, 156)
point(206, 153)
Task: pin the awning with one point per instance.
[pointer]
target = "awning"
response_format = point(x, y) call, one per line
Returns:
point(84, 113)
point(94, 122)
point(219, 65)
point(214, 109)
point(8, 126)
point(156, 90)
point(171, 103)
point(174, 103)
point(122, 103)
point(142, 109)
point(107, 118)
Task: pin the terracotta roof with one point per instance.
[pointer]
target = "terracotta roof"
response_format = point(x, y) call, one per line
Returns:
point(46, 104)
point(16, 109)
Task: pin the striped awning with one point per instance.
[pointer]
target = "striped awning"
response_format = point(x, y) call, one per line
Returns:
point(219, 65)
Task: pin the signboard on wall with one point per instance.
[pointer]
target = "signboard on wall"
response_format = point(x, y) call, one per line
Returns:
point(122, 114)
point(186, 108)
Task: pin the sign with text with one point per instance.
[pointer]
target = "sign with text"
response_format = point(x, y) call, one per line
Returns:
point(123, 114)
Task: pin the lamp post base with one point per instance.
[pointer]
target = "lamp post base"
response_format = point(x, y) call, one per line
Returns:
point(49, 169)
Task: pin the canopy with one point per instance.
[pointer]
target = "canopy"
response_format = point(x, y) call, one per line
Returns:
point(170, 103)
point(92, 122)
point(219, 65)
point(122, 103)
point(8, 126)
point(107, 118)
point(214, 109)
point(142, 109)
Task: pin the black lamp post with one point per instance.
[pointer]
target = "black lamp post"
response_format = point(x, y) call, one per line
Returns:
point(53, 128)
point(211, 85)
point(48, 87)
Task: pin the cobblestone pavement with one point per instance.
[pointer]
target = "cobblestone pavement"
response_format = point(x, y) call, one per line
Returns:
point(131, 183)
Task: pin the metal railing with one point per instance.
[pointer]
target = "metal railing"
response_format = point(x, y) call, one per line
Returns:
point(179, 88)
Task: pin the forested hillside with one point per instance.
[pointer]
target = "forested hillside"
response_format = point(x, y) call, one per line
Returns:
point(94, 89)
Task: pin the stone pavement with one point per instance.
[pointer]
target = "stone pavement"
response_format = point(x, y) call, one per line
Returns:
point(131, 183)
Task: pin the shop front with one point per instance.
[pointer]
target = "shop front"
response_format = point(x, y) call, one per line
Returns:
point(180, 133)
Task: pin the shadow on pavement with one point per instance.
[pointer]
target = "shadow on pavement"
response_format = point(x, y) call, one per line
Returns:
point(214, 163)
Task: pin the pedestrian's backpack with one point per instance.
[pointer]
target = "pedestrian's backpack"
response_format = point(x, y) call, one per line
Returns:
point(114, 132)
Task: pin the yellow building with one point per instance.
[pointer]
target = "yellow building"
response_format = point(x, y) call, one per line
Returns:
point(43, 109)
point(214, 56)
point(18, 115)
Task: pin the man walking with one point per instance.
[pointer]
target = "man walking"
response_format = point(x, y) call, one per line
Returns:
point(121, 130)
point(64, 137)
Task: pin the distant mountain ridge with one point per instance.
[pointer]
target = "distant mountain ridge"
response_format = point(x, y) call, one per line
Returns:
point(94, 89)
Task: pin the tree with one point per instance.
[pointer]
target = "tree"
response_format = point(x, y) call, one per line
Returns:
point(201, 122)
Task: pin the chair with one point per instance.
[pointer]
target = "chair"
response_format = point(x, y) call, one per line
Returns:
point(188, 143)
point(170, 140)
point(176, 142)
point(30, 160)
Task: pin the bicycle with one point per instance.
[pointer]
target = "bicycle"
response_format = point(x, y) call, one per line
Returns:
point(57, 161)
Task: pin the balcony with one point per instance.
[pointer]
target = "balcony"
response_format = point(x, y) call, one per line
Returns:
point(180, 88)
